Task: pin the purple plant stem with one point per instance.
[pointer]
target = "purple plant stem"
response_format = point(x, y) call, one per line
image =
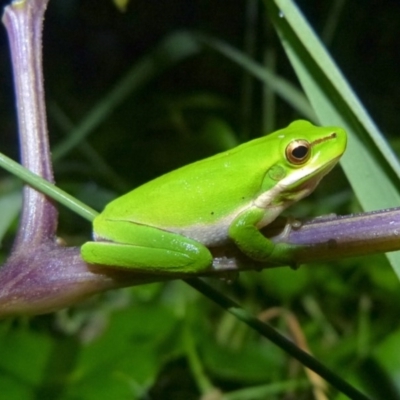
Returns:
point(333, 238)
point(24, 24)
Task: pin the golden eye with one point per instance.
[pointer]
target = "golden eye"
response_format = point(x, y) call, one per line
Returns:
point(298, 152)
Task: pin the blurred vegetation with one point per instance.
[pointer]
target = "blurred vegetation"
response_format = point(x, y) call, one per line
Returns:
point(164, 340)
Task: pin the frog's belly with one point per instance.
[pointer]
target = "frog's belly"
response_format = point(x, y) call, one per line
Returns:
point(209, 235)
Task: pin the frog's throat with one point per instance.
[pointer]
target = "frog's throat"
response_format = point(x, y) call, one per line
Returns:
point(307, 182)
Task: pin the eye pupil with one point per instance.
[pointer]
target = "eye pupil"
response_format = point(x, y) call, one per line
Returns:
point(300, 152)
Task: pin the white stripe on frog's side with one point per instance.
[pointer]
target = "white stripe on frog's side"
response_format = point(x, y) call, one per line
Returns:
point(217, 234)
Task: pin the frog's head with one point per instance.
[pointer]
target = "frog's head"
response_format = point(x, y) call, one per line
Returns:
point(306, 154)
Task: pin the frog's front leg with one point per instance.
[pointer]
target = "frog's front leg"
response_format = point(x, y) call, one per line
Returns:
point(247, 236)
point(245, 232)
point(126, 244)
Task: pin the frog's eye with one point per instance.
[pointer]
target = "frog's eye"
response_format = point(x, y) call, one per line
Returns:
point(298, 152)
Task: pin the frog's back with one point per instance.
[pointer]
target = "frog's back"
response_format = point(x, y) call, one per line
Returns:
point(202, 192)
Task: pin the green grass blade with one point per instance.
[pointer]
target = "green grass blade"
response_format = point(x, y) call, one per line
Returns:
point(47, 188)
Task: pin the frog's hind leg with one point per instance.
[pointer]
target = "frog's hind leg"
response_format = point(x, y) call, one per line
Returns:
point(124, 244)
